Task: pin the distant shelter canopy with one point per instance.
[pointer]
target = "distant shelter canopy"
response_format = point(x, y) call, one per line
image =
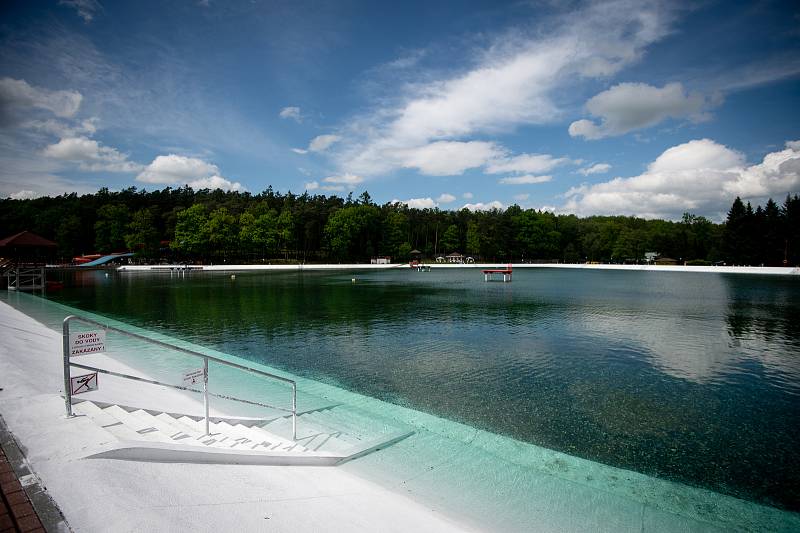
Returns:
point(27, 247)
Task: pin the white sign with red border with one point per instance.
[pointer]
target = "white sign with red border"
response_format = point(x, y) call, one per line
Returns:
point(84, 383)
point(87, 342)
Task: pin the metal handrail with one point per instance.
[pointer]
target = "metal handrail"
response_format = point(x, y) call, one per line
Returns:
point(204, 357)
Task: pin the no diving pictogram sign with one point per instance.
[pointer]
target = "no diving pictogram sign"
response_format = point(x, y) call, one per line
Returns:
point(84, 383)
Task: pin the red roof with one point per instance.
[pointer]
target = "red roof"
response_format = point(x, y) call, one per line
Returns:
point(27, 239)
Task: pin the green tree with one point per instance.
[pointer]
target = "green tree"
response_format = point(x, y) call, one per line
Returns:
point(791, 232)
point(403, 251)
point(395, 228)
point(68, 237)
point(348, 231)
point(189, 231)
point(536, 235)
point(625, 247)
point(772, 242)
point(220, 231)
point(285, 229)
point(142, 236)
point(110, 228)
point(735, 232)
point(449, 242)
point(258, 232)
point(473, 238)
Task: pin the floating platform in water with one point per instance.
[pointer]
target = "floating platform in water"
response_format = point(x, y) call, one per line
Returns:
point(498, 274)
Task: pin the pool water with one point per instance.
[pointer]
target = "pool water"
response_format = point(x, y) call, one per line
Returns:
point(693, 378)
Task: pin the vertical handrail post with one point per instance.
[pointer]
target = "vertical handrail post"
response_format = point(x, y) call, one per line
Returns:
point(294, 411)
point(205, 391)
point(67, 381)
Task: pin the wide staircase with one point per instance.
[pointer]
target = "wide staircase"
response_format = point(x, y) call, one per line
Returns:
point(326, 436)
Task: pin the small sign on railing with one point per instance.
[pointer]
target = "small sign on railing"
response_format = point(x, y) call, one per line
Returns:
point(193, 376)
point(87, 342)
point(84, 383)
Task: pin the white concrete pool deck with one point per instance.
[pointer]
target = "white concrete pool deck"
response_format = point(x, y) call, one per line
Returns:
point(112, 495)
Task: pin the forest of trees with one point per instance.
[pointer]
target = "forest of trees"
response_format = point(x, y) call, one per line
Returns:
point(186, 225)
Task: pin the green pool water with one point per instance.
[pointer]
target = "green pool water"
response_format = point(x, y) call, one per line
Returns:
point(662, 390)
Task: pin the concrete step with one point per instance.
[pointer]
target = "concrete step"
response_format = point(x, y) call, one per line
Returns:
point(260, 437)
point(238, 436)
point(197, 431)
point(174, 432)
point(148, 436)
point(245, 438)
point(94, 412)
point(106, 421)
point(174, 422)
point(215, 438)
point(131, 423)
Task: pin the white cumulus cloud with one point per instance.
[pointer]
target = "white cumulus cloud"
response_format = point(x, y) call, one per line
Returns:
point(417, 203)
point(340, 181)
point(322, 142)
point(61, 128)
point(527, 179)
point(291, 112)
point(700, 176)
point(169, 169)
point(24, 194)
point(631, 106)
point(597, 168)
point(90, 155)
point(522, 197)
point(446, 198)
point(512, 83)
point(447, 158)
point(480, 206)
point(311, 185)
point(17, 95)
point(181, 170)
point(318, 144)
point(216, 182)
point(525, 163)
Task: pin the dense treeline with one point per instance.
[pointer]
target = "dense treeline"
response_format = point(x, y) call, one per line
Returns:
point(182, 224)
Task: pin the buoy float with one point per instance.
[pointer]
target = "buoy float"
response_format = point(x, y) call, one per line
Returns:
point(353, 280)
point(233, 276)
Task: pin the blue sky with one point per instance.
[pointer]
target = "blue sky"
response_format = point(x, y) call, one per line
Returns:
point(623, 107)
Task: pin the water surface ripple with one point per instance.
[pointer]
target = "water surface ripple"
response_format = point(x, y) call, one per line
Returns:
point(689, 377)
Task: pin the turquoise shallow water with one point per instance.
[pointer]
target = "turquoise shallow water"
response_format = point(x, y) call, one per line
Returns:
point(483, 479)
point(693, 378)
